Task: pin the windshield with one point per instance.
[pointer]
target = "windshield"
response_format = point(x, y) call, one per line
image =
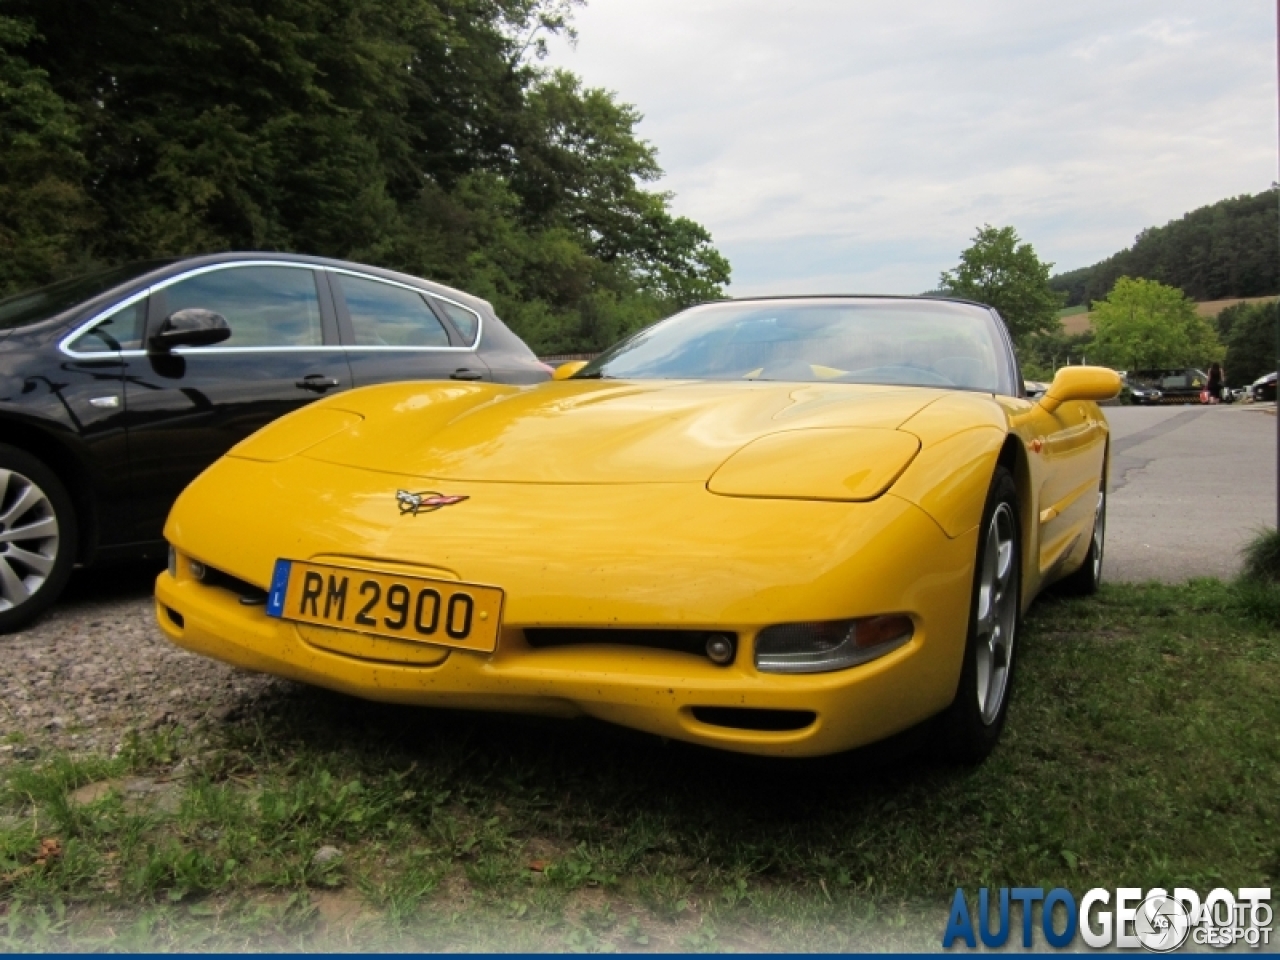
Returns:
point(909, 342)
point(32, 306)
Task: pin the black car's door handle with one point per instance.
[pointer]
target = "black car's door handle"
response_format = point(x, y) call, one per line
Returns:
point(317, 382)
point(462, 373)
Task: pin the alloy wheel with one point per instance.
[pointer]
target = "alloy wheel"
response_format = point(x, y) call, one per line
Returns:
point(1099, 534)
point(28, 538)
point(997, 613)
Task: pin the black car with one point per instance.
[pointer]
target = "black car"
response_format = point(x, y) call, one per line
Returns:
point(117, 388)
point(1166, 385)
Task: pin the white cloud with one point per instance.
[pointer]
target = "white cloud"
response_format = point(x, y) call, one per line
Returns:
point(1174, 33)
point(830, 144)
point(1091, 50)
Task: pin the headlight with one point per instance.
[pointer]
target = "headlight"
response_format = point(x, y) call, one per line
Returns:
point(173, 562)
point(824, 646)
point(817, 463)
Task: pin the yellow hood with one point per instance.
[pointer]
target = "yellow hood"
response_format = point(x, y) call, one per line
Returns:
point(590, 431)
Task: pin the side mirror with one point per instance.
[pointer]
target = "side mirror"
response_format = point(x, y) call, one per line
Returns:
point(567, 370)
point(1081, 383)
point(189, 328)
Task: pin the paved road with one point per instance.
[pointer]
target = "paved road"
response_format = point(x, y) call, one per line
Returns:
point(1189, 485)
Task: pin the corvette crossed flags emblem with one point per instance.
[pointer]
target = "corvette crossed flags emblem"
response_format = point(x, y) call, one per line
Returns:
point(424, 502)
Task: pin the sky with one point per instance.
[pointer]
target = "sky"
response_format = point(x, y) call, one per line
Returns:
point(843, 146)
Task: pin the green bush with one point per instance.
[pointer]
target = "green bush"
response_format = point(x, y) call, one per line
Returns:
point(1262, 557)
point(1257, 590)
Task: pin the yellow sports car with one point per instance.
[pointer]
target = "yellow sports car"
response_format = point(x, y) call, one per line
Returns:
point(784, 526)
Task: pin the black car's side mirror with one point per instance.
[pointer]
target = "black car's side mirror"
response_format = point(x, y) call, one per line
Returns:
point(189, 328)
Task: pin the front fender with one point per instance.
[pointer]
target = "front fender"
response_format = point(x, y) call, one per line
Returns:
point(949, 479)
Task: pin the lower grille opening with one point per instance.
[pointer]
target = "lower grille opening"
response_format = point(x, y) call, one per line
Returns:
point(175, 617)
point(249, 594)
point(747, 718)
point(681, 641)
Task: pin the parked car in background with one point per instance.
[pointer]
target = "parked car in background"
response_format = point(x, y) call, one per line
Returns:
point(118, 388)
point(1264, 388)
point(1166, 385)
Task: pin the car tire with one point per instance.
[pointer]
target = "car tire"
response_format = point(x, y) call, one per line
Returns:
point(971, 726)
point(1085, 581)
point(37, 537)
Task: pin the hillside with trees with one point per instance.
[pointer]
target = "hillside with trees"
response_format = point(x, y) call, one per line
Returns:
point(1227, 249)
point(419, 135)
point(1248, 330)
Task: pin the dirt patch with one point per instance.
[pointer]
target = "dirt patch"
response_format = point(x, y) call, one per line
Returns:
point(93, 792)
point(340, 910)
point(141, 794)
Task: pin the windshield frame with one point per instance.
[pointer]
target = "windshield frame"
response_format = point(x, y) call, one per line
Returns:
point(1008, 372)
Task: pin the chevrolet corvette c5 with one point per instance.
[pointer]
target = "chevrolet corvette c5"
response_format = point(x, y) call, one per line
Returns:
point(784, 526)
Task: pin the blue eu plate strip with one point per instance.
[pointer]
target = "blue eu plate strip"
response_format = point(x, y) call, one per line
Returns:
point(279, 586)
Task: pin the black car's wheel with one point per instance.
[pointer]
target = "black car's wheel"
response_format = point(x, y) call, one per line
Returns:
point(1084, 582)
point(971, 726)
point(37, 537)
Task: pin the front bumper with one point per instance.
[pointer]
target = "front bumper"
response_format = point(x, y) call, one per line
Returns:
point(691, 560)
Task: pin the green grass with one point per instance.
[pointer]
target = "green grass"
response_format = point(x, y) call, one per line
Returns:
point(1072, 311)
point(1143, 749)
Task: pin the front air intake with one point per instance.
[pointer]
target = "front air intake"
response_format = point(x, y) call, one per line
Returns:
point(746, 718)
point(249, 594)
point(718, 646)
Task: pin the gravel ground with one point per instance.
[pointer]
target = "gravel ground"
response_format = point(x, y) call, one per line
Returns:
point(96, 666)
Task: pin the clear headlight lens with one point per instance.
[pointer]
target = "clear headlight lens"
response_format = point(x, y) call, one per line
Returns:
point(824, 646)
point(173, 562)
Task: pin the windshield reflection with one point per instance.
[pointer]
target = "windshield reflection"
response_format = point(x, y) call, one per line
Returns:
point(934, 343)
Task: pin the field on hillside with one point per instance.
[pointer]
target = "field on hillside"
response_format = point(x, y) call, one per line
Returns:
point(1075, 320)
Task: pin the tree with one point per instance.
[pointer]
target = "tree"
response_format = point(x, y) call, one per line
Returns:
point(1001, 272)
point(1143, 324)
point(45, 214)
point(1043, 353)
point(1249, 330)
point(412, 134)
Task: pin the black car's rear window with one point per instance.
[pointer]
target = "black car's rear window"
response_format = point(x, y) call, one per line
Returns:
point(32, 306)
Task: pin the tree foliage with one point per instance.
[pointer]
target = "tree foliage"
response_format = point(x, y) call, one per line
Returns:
point(1005, 274)
point(1249, 331)
point(413, 134)
point(1227, 249)
point(44, 210)
point(1143, 323)
point(1041, 355)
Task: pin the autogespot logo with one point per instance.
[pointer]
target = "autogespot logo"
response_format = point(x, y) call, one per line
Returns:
point(1154, 920)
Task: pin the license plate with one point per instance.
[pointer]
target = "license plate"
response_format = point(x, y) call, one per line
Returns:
point(442, 612)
